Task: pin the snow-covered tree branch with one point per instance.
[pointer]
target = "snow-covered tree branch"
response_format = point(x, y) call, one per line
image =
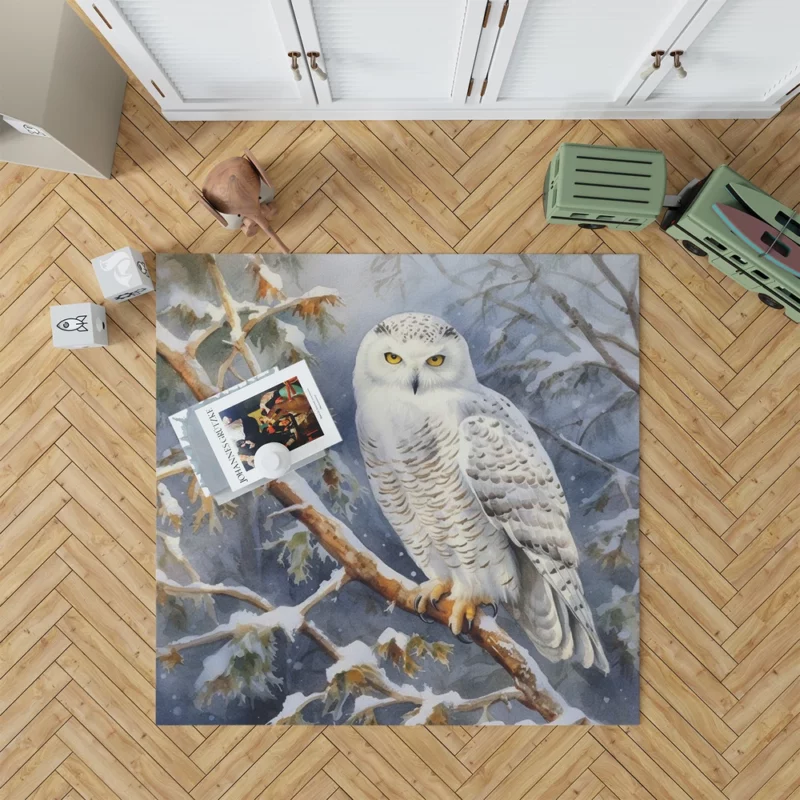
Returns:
point(356, 669)
point(238, 319)
point(597, 340)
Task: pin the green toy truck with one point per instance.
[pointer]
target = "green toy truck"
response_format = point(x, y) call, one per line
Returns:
point(696, 225)
point(598, 187)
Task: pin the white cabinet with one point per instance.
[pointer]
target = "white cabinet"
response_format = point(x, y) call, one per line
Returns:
point(317, 59)
point(739, 51)
point(413, 54)
point(227, 56)
point(578, 52)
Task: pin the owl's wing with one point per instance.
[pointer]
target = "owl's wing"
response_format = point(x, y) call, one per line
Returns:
point(513, 478)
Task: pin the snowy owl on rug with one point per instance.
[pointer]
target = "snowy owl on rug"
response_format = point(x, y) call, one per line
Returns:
point(464, 481)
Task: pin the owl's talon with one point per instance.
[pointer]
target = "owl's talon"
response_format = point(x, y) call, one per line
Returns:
point(430, 592)
point(464, 612)
point(435, 600)
point(421, 614)
point(493, 606)
point(463, 637)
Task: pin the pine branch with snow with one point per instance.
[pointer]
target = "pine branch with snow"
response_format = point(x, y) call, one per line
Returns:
point(407, 652)
point(608, 545)
point(619, 619)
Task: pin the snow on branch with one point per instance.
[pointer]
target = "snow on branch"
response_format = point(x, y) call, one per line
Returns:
point(597, 339)
point(172, 545)
point(628, 295)
point(303, 304)
point(181, 355)
point(288, 618)
point(358, 670)
point(238, 336)
point(532, 688)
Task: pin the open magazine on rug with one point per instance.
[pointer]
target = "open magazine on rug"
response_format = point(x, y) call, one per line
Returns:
point(222, 435)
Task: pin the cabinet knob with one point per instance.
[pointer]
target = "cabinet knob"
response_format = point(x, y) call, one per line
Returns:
point(657, 56)
point(676, 60)
point(294, 55)
point(312, 57)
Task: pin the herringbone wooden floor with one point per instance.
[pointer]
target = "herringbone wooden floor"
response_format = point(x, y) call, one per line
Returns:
point(720, 484)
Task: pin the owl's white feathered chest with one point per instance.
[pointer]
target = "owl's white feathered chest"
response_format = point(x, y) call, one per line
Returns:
point(410, 445)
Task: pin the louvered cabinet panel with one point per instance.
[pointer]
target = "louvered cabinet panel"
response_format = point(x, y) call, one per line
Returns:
point(207, 52)
point(578, 51)
point(391, 51)
point(746, 52)
point(212, 50)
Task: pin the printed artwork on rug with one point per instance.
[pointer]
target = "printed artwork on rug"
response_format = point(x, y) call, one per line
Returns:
point(468, 554)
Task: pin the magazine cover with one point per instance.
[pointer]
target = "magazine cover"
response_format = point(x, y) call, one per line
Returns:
point(284, 407)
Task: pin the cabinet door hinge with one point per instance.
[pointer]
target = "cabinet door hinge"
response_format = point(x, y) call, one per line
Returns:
point(483, 88)
point(487, 12)
point(503, 15)
point(469, 88)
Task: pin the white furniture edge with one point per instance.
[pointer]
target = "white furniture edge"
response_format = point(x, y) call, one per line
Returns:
point(133, 51)
point(685, 111)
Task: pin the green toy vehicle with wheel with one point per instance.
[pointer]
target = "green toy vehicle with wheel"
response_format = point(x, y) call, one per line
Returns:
point(605, 187)
point(699, 228)
point(745, 234)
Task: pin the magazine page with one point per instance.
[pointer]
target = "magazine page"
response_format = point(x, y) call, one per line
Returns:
point(284, 407)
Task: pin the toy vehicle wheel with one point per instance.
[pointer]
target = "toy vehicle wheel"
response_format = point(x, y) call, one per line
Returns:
point(693, 248)
point(592, 226)
point(769, 301)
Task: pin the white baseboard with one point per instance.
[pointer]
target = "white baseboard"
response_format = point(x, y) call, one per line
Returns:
point(685, 111)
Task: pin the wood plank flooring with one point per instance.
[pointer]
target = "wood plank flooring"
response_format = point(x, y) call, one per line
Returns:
point(720, 472)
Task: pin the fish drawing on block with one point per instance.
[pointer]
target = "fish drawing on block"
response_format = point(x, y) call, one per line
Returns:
point(764, 239)
point(77, 324)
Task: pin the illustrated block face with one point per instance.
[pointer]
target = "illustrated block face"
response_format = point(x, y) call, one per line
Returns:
point(25, 127)
point(122, 274)
point(78, 325)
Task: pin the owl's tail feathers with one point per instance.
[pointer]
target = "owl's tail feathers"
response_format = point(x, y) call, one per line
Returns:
point(555, 617)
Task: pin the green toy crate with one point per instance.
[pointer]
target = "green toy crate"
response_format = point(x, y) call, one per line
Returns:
point(701, 231)
point(598, 187)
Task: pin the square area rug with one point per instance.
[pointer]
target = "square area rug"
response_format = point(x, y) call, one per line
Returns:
point(468, 554)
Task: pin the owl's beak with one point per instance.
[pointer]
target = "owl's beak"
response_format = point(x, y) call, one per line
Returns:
point(415, 382)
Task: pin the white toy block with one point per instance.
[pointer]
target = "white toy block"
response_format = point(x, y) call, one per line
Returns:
point(25, 127)
point(122, 274)
point(78, 325)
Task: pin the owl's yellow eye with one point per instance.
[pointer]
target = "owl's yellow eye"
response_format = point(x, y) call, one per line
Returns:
point(435, 361)
point(392, 358)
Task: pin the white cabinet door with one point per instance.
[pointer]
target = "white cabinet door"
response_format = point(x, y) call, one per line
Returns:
point(745, 51)
point(562, 53)
point(207, 53)
point(391, 53)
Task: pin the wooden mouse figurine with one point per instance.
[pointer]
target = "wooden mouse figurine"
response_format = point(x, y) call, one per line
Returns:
point(232, 192)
